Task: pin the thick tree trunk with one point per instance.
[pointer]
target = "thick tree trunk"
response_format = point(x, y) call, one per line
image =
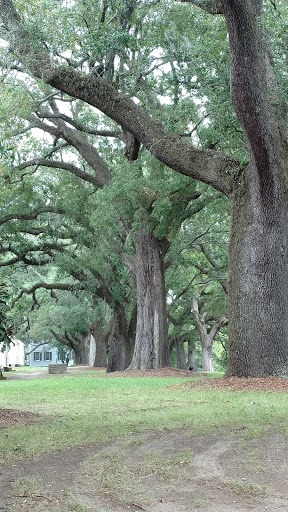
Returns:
point(101, 339)
point(133, 326)
point(92, 351)
point(258, 288)
point(101, 346)
point(181, 359)
point(116, 357)
point(151, 332)
point(121, 345)
point(258, 273)
point(80, 345)
point(177, 342)
point(207, 365)
point(81, 349)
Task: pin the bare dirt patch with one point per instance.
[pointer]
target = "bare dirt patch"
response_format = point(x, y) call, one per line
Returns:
point(10, 417)
point(166, 471)
point(170, 471)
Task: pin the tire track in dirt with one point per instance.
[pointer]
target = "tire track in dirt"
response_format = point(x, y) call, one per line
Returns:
point(207, 463)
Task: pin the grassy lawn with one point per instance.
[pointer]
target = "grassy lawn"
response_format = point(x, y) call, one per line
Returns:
point(89, 406)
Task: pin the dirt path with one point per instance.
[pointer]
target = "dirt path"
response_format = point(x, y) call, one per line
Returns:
point(207, 464)
point(170, 471)
point(154, 472)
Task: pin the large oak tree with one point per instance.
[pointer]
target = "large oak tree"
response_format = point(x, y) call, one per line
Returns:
point(258, 267)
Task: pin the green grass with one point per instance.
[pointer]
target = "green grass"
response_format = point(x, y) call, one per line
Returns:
point(248, 489)
point(89, 406)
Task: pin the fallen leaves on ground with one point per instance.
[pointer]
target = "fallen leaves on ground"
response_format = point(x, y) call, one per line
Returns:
point(267, 384)
point(205, 381)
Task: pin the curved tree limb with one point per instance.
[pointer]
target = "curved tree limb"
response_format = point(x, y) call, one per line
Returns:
point(117, 134)
point(31, 215)
point(57, 164)
point(255, 95)
point(26, 261)
point(208, 166)
point(47, 286)
point(220, 322)
point(66, 340)
point(34, 348)
point(202, 319)
point(6, 263)
point(214, 264)
point(79, 142)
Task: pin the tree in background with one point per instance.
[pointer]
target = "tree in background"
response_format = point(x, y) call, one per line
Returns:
point(258, 267)
point(197, 280)
point(160, 202)
point(6, 330)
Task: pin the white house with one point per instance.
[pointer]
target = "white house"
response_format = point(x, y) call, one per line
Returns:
point(13, 355)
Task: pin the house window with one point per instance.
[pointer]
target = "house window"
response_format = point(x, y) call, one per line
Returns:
point(37, 356)
point(48, 356)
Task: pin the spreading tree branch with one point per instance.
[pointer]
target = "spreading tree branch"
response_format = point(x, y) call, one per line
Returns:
point(117, 134)
point(31, 215)
point(47, 286)
point(211, 167)
point(66, 339)
point(34, 348)
point(57, 164)
point(26, 261)
point(86, 150)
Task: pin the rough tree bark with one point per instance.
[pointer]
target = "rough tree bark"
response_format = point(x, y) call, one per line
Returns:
point(120, 341)
point(177, 342)
point(121, 345)
point(151, 333)
point(82, 349)
point(80, 344)
point(181, 359)
point(258, 263)
point(101, 339)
